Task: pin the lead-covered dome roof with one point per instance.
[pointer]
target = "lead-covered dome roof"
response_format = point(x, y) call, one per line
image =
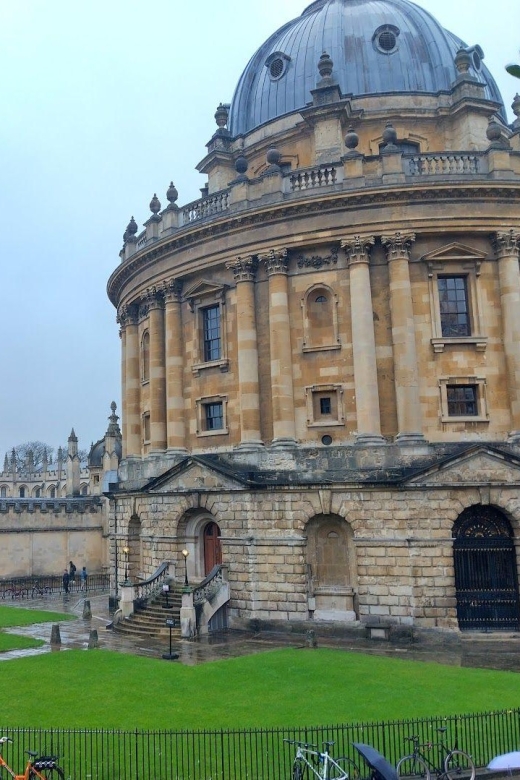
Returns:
point(377, 47)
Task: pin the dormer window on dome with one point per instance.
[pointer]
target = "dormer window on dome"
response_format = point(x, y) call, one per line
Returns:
point(385, 38)
point(277, 64)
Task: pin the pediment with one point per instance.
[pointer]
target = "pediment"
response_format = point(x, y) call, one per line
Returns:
point(191, 474)
point(454, 253)
point(205, 289)
point(481, 466)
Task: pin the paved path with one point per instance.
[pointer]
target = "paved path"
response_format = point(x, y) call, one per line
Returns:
point(471, 650)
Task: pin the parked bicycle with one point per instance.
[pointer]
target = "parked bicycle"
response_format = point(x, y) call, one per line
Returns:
point(16, 592)
point(38, 591)
point(452, 763)
point(310, 761)
point(44, 767)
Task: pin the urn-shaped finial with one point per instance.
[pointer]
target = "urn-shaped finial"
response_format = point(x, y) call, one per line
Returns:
point(155, 204)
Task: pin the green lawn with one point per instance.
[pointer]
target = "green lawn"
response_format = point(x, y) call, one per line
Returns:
point(17, 616)
point(293, 687)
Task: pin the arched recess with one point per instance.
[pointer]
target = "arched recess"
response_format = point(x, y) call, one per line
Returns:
point(202, 540)
point(135, 554)
point(331, 569)
point(320, 319)
point(486, 581)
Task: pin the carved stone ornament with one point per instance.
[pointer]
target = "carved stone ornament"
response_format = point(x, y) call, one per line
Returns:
point(276, 261)
point(357, 248)
point(172, 290)
point(317, 261)
point(127, 315)
point(153, 297)
point(244, 268)
point(398, 245)
point(507, 244)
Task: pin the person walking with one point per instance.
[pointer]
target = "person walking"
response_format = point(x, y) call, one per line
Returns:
point(72, 573)
point(83, 577)
point(65, 580)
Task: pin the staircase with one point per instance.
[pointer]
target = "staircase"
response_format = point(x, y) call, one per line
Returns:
point(150, 620)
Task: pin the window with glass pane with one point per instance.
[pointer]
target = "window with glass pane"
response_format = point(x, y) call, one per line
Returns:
point(462, 400)
point(453, 302)
point(211, 333)
point(214, 416)
point(325, 405)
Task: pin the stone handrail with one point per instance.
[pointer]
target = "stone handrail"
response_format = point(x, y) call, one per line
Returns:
point(440, 164)
point(313, 178)
point(153, 585)
point(209, 586)
point(205, 207)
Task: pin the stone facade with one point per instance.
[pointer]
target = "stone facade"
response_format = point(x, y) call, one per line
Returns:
point(321, 359)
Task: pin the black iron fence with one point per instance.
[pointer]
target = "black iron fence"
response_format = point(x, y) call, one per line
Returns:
point(37, 587)
point(257, 754)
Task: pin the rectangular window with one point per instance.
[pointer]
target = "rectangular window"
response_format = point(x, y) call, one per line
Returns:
point(325, 405)
point(462, 400)
point(453, 303)
point(214, 416)
point(211, 333)
point(146, 427)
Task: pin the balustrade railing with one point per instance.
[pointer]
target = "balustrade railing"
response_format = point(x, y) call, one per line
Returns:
point(152, 586)
point(209, 586)
point(440, 164)
point(312, 178)
point(205, 207)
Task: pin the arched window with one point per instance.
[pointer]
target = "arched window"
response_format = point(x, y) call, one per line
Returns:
point(21, 492)
point(145, 357)
point(320, 320)
point(52, 492)
point(3, 491)
point(37, 492)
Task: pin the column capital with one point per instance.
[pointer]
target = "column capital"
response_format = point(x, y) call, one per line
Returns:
point(244, 268)
point(172, 290)
point(357, 248)
point(507, 244)
point(127, 315)
point(153, 297)
point(276, 261)
point(398, 245)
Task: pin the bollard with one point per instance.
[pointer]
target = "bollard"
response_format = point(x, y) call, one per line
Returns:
point(87, 613)
point(55, 635)
point(93, 640)
point(310, 638)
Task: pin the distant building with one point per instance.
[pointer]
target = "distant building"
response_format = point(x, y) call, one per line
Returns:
point(321, 355)
point(55, 514)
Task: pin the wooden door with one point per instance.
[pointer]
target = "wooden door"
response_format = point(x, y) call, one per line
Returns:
point(212, 549)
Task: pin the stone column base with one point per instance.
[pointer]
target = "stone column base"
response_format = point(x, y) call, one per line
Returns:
point(370, 440)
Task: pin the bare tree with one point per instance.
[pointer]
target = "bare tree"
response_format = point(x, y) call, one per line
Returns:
point(30, 456)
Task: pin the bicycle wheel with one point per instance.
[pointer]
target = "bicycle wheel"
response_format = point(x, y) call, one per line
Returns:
point(413, 768)
point(343, 768)
point(52, 773)
point(459, 766)
point(299, 769)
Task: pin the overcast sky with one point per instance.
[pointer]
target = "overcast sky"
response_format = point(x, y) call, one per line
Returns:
point(104, 102)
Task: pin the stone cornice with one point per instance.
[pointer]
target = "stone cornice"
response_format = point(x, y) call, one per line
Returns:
point(342, 201)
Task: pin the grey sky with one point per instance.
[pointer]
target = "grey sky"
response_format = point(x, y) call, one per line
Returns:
point(105, 103)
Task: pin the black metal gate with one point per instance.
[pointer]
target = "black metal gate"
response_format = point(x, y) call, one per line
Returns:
point(486, 579)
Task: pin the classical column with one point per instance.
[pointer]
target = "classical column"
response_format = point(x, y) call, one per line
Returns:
point(128, 318)
point(357, 249)
point(507, 248)
point(244, 270)
point(155, 302)
point(284, 430)
point(406, 374)
point(175, 424)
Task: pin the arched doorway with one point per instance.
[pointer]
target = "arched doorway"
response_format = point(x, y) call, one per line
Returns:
point(486, 581)
point(212, 548)
point(331, 569)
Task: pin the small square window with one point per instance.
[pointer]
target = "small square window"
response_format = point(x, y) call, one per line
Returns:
point(213, 416)
point(462, 400)
point(325, 405)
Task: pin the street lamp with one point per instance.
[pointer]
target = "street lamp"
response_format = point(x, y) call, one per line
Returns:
point(185, 553)
point(126, 550)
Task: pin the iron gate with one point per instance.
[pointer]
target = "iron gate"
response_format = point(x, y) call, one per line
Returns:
point(485, 571)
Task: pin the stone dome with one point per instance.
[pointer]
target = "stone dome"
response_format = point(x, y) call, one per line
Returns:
point(377, 47)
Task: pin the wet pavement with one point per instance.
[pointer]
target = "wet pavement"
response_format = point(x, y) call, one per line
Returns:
point(478, 650)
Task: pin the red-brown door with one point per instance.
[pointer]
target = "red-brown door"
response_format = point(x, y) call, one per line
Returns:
point(212, 550)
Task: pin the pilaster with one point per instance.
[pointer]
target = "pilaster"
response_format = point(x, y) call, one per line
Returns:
point(155, 301)
point(128, 319)
point(175, 425)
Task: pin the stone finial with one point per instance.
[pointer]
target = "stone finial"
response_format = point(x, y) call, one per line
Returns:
point(273, 157)
point(325, 66)
point(172, 194)
point(389, 138)
point(462, 61)
point(351, 139)
point(131, 228)
point(155, 204)
point(241, 165)
point(494, 134)
point(222, 115)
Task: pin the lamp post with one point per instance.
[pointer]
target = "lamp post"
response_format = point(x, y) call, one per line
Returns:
point(185, 553)
point(126, 550)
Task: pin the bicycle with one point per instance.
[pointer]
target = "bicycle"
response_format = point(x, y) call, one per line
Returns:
point(455, 764)
point(39, 590)
point(320, 763)
point(44, 767)
point(16, 592)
